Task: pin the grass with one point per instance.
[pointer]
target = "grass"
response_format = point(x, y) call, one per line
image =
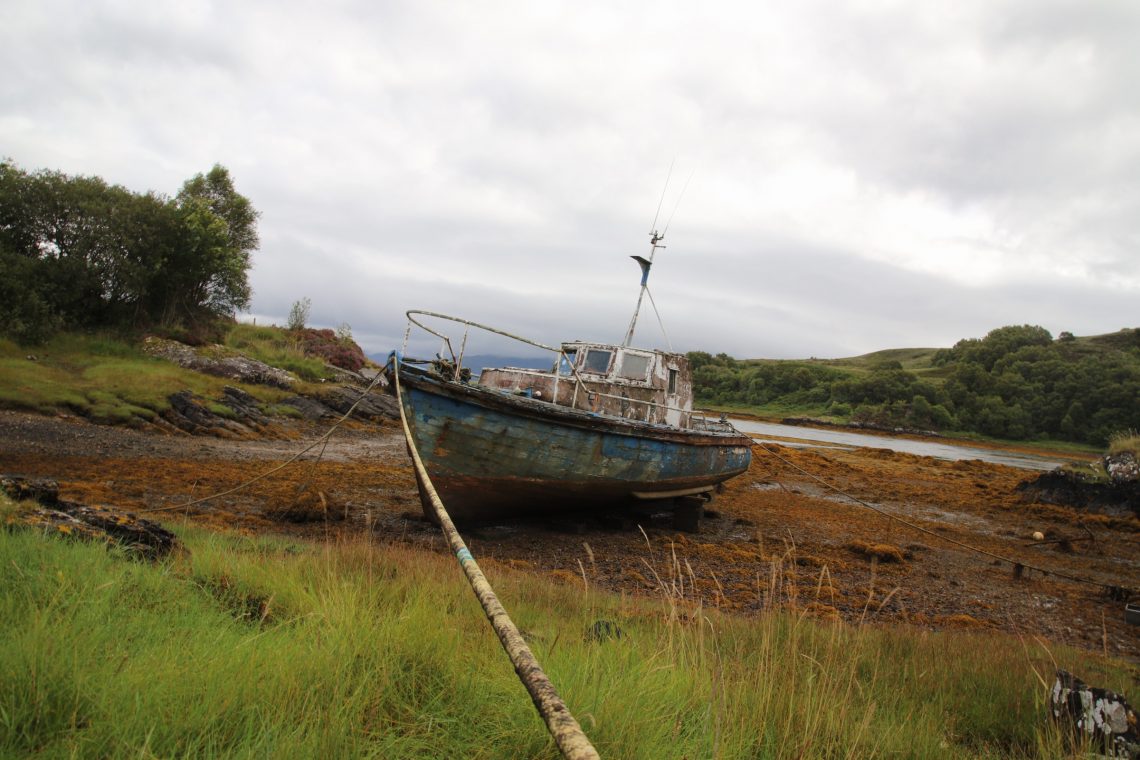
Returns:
point(277, 347)
point(917, 360)
point(267, 647)
point(1125, 441)
point(104, 379)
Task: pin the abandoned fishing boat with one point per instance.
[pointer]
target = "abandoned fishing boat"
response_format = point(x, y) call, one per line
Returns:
point(604, 425)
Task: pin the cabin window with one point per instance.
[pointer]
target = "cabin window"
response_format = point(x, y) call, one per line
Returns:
point(597, 361)
point(672, 382)
point(566, 362)
point(634, 366)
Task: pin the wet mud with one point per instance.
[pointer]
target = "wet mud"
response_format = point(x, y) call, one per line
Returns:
point(775, 537)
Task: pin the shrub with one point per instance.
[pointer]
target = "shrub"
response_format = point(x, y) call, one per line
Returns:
point(336, 351)
point(299, 314)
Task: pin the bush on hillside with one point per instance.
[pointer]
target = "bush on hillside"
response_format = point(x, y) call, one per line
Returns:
point(339, 352)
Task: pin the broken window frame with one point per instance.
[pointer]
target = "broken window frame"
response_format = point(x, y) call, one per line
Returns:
point(626, 358)
point(591, 365)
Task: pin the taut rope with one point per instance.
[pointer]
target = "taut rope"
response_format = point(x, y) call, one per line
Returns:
point(571, 740)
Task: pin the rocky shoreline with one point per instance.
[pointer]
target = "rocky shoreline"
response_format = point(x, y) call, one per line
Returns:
point(237, 414)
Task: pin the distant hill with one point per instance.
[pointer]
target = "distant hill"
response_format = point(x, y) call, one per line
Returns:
point(1018, 382)
point(917, 360)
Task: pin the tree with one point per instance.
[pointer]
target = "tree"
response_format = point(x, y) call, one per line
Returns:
point(299, 314)
point(222, 228)
point(25, 311)
point(217, 190)
point(78, 252)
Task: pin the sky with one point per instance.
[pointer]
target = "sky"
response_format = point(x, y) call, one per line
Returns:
point(833, 178)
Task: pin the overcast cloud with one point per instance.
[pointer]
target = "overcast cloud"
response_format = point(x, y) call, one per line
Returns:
point(864, 175)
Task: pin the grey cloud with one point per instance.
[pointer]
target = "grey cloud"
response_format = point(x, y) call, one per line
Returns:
point(503, 161)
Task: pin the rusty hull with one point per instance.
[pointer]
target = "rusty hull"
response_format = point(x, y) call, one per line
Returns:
point(489, 452)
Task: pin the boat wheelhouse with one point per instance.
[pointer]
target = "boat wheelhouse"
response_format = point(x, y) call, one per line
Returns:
point(631, 383)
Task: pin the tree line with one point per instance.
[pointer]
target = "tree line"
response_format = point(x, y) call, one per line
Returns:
point(77, 252)
point(1017, 382)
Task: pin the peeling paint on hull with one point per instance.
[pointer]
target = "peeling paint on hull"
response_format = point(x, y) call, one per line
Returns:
point(491, 453)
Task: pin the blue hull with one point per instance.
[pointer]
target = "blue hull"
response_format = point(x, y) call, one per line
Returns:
point(491, 453)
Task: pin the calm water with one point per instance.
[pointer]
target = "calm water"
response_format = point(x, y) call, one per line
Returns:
point(762, 432)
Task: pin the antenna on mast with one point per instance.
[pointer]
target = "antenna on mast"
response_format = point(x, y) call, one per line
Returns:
point(655, 239)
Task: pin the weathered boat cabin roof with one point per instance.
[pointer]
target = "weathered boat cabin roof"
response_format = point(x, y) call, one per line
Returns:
point(622, 364)
point(640, 383)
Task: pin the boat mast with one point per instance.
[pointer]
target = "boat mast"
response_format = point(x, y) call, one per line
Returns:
point(655, 239)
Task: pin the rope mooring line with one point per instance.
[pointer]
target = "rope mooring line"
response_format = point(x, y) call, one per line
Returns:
point(567, 733)
point(323, 439)
point(1016, 563)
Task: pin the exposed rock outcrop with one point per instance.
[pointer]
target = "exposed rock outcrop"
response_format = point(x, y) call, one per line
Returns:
point(240, 415)
point(1116, 492)
point(219, 361)
point(374, 407)
point(79, 521)
point(237, 415)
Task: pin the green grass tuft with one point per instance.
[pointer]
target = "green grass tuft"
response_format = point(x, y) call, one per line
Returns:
point(278, 347)
point(1124, 441)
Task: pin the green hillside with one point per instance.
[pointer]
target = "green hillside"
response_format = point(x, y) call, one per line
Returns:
point(111, 379)
point(909, 358)
point(1017, 383)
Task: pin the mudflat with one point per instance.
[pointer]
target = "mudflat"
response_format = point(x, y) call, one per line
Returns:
point(775, 536)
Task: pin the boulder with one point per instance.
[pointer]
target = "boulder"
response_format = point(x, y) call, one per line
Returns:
point(1122, 467)
point(1116, 492)
point(219, 361)
point(1096, 718)
point(70, 519)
